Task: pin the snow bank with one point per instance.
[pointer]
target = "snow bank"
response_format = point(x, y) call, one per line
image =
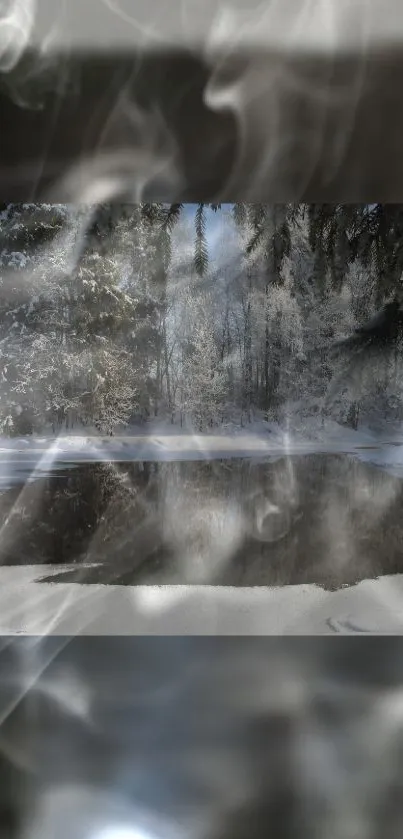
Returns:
point(28, 606)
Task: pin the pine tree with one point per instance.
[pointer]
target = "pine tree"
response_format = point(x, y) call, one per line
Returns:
point(63, 325)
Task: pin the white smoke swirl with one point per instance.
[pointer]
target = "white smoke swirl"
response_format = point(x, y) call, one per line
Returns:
point(16, 24)
point(264, 69)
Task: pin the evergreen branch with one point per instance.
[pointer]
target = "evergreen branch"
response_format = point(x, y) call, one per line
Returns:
point(255, 241)
point(257, 217)
point(240, 214)
point(201, 248)
point(151, 212)
point(171, 216)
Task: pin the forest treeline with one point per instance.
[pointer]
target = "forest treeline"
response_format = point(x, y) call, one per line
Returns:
point(114, 314)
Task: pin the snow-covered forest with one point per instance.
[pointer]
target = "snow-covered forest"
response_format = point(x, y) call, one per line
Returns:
point(200, 316)
point(129, 319)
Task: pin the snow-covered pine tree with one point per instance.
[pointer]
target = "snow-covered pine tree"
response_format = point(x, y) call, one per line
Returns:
point(63, 326)
point(29, 237)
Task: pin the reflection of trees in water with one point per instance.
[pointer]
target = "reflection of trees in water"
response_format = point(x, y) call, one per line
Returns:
point(328, 519)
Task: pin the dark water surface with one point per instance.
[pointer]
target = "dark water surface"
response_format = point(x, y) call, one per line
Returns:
point(323, 518)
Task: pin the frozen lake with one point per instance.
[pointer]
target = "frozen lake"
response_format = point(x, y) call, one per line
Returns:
point(232, 509)
point(257, 533)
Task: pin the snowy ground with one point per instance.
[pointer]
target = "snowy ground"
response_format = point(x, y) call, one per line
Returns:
point(30, 607)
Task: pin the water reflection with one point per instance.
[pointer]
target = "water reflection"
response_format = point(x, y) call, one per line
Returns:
point(324, 518)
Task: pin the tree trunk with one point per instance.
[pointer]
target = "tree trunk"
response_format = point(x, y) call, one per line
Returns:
point(247, 353)
point(158, 385)
point(266, 368)
point(166, 363)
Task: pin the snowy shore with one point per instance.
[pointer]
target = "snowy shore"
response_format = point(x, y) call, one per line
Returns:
point(31, 607)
